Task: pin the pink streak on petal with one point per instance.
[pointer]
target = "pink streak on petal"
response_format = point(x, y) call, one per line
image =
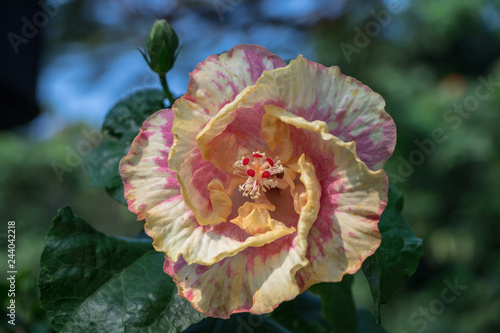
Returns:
point(200, 269)
point(237, 69)
point(313, 112)
point(188, 295)
point(222, 287)
point(255, 55)
point(142, 140)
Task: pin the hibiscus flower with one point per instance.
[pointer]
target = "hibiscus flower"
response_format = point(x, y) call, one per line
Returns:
point(263, 179)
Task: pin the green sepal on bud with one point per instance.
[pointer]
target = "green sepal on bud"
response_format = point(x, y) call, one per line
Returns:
point(161, 47)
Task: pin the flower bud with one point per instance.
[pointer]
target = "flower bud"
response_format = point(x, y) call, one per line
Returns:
point(161, 46)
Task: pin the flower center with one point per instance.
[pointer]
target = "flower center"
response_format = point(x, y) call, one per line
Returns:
point(260, 172)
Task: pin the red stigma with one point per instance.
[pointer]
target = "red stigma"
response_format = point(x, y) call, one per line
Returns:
point(250, 172)
point(246, 161)
point(257, 155)
point(266, 174)
point(270, 161)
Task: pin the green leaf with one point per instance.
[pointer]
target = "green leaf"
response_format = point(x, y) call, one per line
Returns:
point(398, 256)
point(122, 125)
point(127, 116)
point(103, 163)
point(338, 306)
point(302, 314)
point(117, 193)
point(90, 282)
point(238, 322)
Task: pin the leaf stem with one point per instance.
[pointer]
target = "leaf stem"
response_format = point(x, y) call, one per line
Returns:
point(166, 90)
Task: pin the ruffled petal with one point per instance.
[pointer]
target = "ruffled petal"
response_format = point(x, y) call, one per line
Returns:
point(346, 231)
point(351, 110)
point(177, 232)
point(147, 178)
point(353, 198)
point(214, 83)
point(220, 78)
point(256, 280)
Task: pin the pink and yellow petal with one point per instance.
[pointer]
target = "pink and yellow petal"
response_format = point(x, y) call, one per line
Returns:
point(220, 78)
point(309, 207)
point(352, 200)
point(146, 175)
point(351, 110)
point(153, 192)
point(194, 177)
point(215, 82)
point(240, 136)
point(346, 231)
point(256, 280)
point(176, 232)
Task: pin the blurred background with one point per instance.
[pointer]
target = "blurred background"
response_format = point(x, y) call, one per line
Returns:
point(437, 65)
